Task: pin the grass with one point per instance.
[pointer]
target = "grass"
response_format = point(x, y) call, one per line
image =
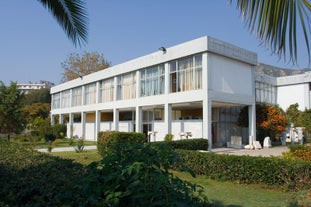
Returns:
point(234, 195)
point(37, 143)
point(85, 157)
point(221, 193)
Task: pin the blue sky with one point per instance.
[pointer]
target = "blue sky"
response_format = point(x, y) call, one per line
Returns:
point(33, 46)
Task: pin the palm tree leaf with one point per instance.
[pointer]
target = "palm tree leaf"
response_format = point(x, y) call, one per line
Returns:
point(276, 23)
point(71, 16)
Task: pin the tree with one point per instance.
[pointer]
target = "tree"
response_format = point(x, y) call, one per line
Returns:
point(71, 15)
point(275, 123)
point(276, 22)
point(293, 114)
point(38, 96)
point(77, 65)
point(270, 120)
point(12, 119)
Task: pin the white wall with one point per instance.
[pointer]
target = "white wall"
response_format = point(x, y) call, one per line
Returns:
point(291, 94)
point(193, 126)
point(230, 76)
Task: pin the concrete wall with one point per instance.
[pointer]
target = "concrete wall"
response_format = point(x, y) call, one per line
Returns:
point(230, 76)
point(292, 94)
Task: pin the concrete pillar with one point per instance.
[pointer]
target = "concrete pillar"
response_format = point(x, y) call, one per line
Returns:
point(168, 118)
point(207, 103)
point(61, 118)
point(97, 124)
point(70, 125)
point(252, 123)
point(52, 119)
point(116, 119)
point(138, 119)
point(83, 120)
point(207, 122)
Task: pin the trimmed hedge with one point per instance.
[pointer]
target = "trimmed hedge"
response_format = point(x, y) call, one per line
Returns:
point(288, 174)
point(30, 178)
point(187, 144)
point(108, 139)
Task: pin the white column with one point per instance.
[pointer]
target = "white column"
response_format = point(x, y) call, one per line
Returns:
point(252, 123)
point(70, 124)
point(206, 103)
point(52, 119)
point(61, 118)
point(138, 120)
point(97, 92)
point(168, 117)
point(207, 122)
point(116, 119)
point(83, 119)
point(97, 123)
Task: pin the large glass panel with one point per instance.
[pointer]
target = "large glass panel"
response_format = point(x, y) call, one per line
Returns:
point(186, 74)
point(126, 86)
point(56, 101)
point(77, 96)
point(152, 81)
point(90, 93)
point(65, 102)
point(107, 90)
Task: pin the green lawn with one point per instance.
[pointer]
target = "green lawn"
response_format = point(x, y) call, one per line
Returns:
point(220, 193)
point(35, 144)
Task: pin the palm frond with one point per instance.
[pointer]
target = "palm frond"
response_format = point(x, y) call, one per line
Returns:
point(276, 23)
point(71, 15)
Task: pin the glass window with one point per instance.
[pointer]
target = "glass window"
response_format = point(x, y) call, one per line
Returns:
point(265, 93)
point(152, 81)
point(126, 86)
point(186, 74)
point(65, 99)
point(56, 101)
point(107, 90)
point(77, 96)
point(90, 93)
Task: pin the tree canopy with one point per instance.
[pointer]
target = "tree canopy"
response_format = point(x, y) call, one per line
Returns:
point(77, 66)
point(12, 119)
point(276, 23)
point(71, 15)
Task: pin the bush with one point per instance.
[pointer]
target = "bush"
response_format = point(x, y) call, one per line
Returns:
point(30, 178)
point(108, 139)
point(49, 137)
point(59, 130)
point(134, 174)
point(168, 137)
point(187, 144)
point(288, 174)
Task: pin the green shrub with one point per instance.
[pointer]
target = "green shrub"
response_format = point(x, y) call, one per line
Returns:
point(187, 144)
point(168, 137)
point(30, 178)
point(134, 174)
point(288, 174)
point(59, 130)
point(110, 138)
point(49, 137)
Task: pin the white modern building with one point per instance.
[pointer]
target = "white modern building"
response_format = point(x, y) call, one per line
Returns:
point(27, 87)
point(196, 88)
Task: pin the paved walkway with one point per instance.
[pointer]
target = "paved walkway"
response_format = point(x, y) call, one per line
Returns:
point(67, 149)
point(265, 152)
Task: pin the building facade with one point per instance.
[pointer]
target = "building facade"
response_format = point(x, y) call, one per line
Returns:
point(27, 87)
point(196, 88)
